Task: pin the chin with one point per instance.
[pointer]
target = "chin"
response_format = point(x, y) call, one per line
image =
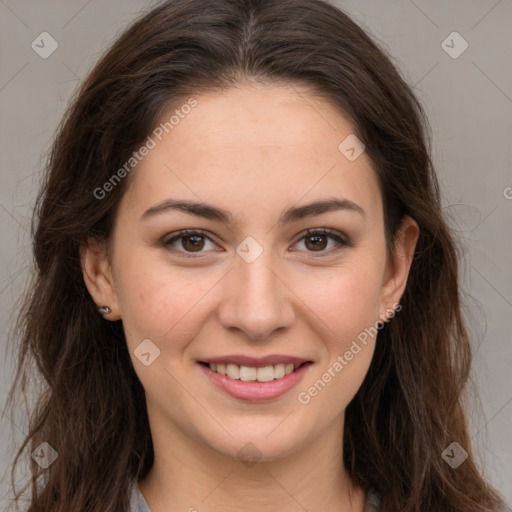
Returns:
point(264, 441)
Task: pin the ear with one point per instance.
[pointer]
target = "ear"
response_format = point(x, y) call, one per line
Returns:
point(397, 269)
point(97, 275)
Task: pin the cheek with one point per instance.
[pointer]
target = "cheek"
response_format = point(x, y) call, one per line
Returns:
point(348, 306)
point(345, 300)
point(157, 303)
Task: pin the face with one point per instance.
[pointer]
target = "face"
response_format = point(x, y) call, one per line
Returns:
point(262, 280)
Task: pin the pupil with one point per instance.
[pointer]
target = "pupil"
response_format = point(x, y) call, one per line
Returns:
point(195, 244)
point(316, 244)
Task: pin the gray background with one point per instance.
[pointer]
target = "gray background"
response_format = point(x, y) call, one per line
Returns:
point(469, 103)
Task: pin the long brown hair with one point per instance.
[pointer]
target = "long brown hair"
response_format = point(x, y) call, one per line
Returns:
point(92, 409)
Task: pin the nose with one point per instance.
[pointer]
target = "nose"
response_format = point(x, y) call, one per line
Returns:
point(256, 299)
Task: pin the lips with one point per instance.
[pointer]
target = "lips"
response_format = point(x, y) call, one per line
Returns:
point(255, 379)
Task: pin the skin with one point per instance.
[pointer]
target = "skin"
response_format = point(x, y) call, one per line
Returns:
point(253, 150)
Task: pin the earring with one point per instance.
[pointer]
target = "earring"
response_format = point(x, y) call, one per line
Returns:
point(387, 316)
point(104, 310)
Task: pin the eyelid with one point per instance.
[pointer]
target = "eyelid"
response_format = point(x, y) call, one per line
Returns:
point(341, 240)
point(168, 240)
point(327, 232)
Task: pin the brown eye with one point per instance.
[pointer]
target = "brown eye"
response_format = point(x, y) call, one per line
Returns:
point(188, 242)
point(316, 242)
point(192, 242)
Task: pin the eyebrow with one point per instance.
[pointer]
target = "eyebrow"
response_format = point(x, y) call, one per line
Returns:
point(292, 214)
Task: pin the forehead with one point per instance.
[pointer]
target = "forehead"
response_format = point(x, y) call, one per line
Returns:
point(254, 146)
point(255, 117)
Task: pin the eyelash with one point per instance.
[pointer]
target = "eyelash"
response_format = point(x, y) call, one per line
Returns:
point(342, 242)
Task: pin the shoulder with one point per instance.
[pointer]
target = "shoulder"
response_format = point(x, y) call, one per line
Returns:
point(137, 501)
point(373, 503)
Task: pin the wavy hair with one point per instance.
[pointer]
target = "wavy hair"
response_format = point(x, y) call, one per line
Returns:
point(91, 406)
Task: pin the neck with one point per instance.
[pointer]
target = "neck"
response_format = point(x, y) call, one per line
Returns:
point(187, 475)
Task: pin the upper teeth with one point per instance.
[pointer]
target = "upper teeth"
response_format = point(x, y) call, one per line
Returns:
point(250, 373)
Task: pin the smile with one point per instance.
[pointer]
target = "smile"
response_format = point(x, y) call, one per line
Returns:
point(251, 373)
point(253, 383)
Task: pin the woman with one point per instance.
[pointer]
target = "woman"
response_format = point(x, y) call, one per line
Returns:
point(246, 294)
